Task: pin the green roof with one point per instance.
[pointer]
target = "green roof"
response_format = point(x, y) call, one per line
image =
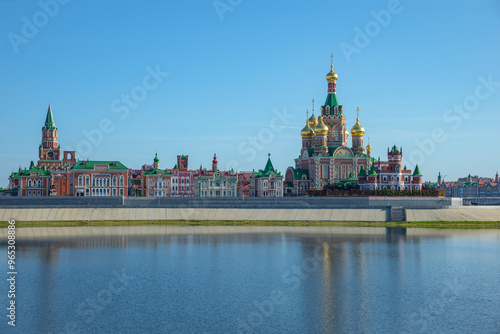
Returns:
point(31, 169)
point(183, 156)
point(268, 170)
point(49, 120)
point(156, 171)
point(417, 171)
point(298, 172)
point(331, 101)
point(362, 171)
point(175, 167)
point(372, 171)
point(112, 165)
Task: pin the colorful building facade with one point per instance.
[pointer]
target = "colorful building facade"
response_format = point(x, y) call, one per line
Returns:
point(325, 156)
point(390, 174)
point(214, 182)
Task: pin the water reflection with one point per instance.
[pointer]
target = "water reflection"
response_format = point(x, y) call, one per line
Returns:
point(332, 280)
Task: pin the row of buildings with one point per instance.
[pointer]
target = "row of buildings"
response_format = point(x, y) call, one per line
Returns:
point(470, 186)
point(324, 158)
point(58, 173)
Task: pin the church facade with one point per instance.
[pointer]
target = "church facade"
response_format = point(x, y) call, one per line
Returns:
point(328, 157)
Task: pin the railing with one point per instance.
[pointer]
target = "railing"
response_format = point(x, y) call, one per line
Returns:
point(481, 200)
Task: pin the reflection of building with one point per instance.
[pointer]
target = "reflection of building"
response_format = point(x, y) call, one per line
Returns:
point(215, 183)
point(470, 186)
point(325, 157)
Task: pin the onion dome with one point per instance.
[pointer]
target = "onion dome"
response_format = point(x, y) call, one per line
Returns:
point(331, 76)
point(156, 160)
point(307, 131)
point(368, 147)
point(321, 128)
point(357, 129)
point(313, 120)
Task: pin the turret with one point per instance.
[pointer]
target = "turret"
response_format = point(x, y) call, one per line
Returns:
point(49, 149)
point(307, 133)
point(357, 132)
point(156, 162)
point(321, 130)
point(215, 164)
point(394, 158)
point(417, 178)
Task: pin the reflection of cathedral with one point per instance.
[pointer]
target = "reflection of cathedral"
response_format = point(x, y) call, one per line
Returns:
point(325, 156)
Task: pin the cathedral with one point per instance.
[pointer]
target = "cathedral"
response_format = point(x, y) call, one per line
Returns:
point(326, 157)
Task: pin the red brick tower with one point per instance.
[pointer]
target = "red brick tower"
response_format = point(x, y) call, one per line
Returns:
point(49, 151)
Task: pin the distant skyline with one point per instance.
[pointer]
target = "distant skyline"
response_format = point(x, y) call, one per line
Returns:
point(130, 79)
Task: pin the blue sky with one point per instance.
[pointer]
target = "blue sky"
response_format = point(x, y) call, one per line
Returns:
point(236, 77)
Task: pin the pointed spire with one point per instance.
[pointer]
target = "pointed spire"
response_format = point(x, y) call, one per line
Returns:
point(269, 164)
point(417, 171)
point(49, 119)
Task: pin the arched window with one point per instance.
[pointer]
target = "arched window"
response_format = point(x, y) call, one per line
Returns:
point(336, 134)
point(122, 179)
point(217, 183)
point(265, 183)
point(80, 180)
point(39, 183)
point(114, 180)
point(87, 180)
point(29, 183)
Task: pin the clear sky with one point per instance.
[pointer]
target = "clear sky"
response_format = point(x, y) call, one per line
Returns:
point(236, 77)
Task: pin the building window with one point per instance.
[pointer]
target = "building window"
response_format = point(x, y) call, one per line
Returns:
point(87, 181)
point(121, 191)
point(114, 180)
point(122, 179)
point(80, 180)
point(217, 183)
point(114, 191)
point(385, 179)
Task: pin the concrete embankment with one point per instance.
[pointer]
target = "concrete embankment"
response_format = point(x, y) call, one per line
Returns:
point(362, 209)
point(361, 215)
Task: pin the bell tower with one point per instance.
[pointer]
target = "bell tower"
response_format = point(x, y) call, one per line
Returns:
point(49, 148)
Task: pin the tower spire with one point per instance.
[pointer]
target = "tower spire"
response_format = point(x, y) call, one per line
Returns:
point(49, 119)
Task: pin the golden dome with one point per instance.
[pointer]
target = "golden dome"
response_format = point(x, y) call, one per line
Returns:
point(357, 129)
point(321, 128)
point(313, 120)
point(307, 131)
point(331, 76)
point(368, 147)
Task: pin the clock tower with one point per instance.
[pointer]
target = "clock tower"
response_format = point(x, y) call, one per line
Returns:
point(49, 149)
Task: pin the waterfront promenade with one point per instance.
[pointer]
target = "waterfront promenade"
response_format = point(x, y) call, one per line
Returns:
point(361, 209)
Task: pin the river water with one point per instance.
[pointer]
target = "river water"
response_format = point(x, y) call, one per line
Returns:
point(254, 280)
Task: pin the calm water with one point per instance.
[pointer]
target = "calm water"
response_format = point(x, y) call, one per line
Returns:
point(389, 281)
